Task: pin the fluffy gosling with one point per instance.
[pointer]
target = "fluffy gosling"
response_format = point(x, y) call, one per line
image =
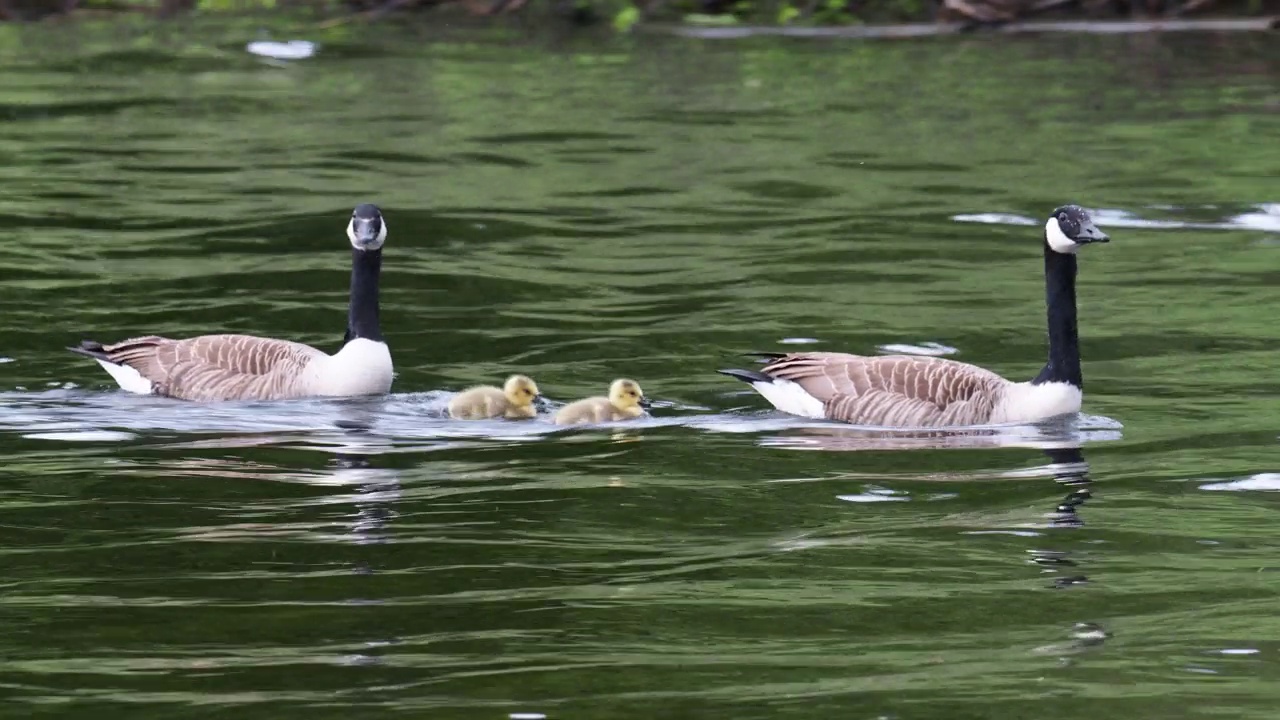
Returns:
point(626, 401)
point(513, 401)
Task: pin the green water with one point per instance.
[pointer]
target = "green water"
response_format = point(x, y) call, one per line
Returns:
point(584, 208)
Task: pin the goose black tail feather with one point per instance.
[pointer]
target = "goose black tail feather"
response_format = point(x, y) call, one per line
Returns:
point(92, 349)
point(747, 376)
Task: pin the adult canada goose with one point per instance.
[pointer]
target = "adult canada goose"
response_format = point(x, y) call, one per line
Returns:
point(911, 391)
point(514, 400)
point(626, 401)
point(246, 367)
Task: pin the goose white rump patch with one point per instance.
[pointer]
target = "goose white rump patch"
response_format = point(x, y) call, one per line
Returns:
point(127, 378)
point(790, 397)
point(1024, 402)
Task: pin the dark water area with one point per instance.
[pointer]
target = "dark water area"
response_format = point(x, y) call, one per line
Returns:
point(581, 210)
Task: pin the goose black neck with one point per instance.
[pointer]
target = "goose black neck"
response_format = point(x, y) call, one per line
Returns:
point(1060, 301)
point(362, 313)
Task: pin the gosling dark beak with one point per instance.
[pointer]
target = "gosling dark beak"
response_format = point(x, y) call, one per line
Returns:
point(366, 231)
point(541, 403)
point(645, 403)
point(1089, 233)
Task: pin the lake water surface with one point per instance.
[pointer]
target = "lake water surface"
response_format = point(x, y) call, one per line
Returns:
point(584, 208)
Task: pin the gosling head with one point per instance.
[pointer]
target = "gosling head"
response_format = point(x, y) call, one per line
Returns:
point(521, 391)
point(625, 394)
point(367, 230)
point(1069, 228)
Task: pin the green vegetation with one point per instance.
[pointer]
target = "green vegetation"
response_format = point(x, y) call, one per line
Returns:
point(624, 15)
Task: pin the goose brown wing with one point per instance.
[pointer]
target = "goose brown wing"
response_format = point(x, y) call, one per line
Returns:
point(217, 367)
point(893, 390)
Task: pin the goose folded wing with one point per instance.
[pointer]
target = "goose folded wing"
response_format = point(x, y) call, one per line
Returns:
point(216, 366)
point(154, 356)
point(892, 389)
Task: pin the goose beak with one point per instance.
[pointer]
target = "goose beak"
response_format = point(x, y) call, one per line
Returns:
point(365, 231)
point(540, 403)
point(1089, 233)
point(645, 403)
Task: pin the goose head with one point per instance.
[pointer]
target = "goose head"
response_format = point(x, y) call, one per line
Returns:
point(625, 394)
point(1069, 228)
point(521, 391)
point(367, 230)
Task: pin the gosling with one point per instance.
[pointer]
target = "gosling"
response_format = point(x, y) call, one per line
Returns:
point(513, 401)
point(626, 401)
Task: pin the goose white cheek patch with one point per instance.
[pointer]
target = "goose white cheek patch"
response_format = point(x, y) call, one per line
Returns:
point(1057, 239)
point(382, 236)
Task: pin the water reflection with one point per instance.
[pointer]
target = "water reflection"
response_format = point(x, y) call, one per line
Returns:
point(392, 423)
point(1064, 432)
point(1069, 469)
point(371, 491)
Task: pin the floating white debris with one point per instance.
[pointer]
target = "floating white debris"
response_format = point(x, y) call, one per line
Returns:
point(870, 497)
point(291, 50)
point(798, 341)
point(527, 716)
point(929, 348)
point(1266, 219)
point(1238, 651)
point(1269, 482)
point(1088, 631)
point(4, 360)
point(875, 495)
point(994, 219)
point(82, 436)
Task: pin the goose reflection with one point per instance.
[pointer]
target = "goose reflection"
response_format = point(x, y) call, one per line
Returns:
point(1070, 470)
point(1071, 431)
point(372, 496)
point(372, 491)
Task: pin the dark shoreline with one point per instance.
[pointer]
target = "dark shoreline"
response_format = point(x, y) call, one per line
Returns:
point(718, 19)
point(919, 30)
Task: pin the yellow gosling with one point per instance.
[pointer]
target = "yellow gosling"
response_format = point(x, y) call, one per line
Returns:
point(626, 401)
point(513, 401)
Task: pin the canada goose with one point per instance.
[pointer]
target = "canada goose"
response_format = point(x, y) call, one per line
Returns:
point(514, 400)
point(626, 401)
point(246, 367)
point(911, 391)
